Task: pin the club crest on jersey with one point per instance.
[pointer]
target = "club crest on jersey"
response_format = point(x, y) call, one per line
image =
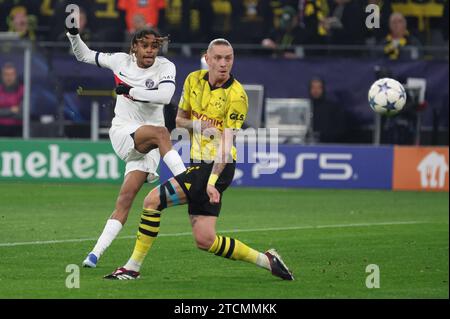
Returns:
point(149, 83)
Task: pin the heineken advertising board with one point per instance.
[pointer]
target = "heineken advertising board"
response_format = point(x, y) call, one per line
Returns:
point(59, 161)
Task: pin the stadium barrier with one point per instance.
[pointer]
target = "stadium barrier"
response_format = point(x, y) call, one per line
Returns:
point(303, 166)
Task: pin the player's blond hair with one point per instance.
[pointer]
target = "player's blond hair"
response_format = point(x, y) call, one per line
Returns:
point(219, 41)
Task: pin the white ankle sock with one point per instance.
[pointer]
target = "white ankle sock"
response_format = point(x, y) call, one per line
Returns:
point(112, 228)
point(263, 261)
point(132, 265)
point(174, 162)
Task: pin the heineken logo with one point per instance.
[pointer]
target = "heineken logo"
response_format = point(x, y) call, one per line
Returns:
point(51, 162)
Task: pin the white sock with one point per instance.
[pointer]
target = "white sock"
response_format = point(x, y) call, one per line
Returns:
point(132, 265)
point(263, 261)
point(174, 162)
point(112, 228)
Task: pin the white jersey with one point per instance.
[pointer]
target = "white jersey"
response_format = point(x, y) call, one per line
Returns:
point(151, 87)
point(133, 108)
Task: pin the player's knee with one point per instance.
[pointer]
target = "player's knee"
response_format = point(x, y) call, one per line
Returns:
point(151, 201)
point(162, 134)
point(204, 241)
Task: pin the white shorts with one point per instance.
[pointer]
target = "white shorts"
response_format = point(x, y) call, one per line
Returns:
point(123, 145)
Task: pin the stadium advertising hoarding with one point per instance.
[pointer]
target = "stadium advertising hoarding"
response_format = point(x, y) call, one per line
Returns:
point(318, 167)
point(420, 168)
point(385, 167)
point(59, 161)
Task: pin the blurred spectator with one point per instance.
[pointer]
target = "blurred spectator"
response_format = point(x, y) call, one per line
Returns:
point(287, 34)
point(251, 20)
point(11, 95)
point(328, 119)
point(220, 18)
point(151, 10)
point(444, 25)
point(6, 6)
point(139, 22)
point(312, 14)
point(376, 35)
point(399, 44)
point(346, 23)
point(20, 22)
point(207, 16)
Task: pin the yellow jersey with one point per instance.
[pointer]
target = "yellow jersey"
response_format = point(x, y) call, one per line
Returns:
point(224, 107)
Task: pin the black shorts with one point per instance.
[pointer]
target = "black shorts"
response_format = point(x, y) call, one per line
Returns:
point(194, 181)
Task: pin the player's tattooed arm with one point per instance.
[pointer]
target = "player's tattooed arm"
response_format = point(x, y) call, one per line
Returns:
point(218, 168)
point(222, 158)
point(223, 152)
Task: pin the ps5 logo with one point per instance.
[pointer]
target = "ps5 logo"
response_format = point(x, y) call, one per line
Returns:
point(333, 166)
point(341, 171)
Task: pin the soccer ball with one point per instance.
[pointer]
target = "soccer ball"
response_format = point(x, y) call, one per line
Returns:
point(387, 96)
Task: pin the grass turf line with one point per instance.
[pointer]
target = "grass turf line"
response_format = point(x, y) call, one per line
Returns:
point(327, 263)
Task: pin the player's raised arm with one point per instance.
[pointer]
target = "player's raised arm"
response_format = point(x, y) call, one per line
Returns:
point(81, 50)
point(86, 55)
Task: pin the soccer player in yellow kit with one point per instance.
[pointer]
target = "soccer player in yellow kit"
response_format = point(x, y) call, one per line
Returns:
point(217, 103)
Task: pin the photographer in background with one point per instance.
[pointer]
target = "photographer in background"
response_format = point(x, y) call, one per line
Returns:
point(328, 118)
point(400, 129)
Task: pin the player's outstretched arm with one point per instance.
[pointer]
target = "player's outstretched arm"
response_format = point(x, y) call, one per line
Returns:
point(81, 50)
point(86, 55)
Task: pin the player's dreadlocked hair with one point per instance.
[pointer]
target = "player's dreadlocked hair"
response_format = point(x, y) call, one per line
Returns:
point(140, 35)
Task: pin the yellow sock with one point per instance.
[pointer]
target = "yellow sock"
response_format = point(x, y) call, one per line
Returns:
point(234, 249)
point(146, 235)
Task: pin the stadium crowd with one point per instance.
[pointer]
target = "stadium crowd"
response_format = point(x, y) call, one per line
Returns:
point(271, 27)
point(276, 24)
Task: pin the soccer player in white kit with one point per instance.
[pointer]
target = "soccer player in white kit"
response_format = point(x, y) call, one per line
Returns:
point(145, 83)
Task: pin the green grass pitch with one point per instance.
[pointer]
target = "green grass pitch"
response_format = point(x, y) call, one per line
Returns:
point(327, 237)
